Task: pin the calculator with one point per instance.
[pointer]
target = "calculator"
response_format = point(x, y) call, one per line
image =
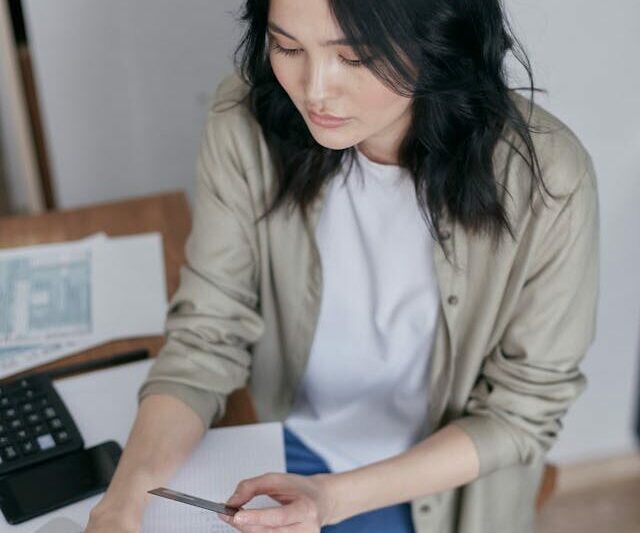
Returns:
point(35, 424)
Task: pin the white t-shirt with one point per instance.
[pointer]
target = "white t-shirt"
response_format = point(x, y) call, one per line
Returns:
point(363, 397)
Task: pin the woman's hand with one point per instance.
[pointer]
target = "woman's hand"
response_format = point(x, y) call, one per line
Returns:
point(306, 504)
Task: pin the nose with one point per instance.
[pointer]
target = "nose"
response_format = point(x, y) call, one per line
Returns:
point(320, 82)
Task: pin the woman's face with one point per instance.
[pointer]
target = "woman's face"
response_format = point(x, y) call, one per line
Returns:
point(341, 101)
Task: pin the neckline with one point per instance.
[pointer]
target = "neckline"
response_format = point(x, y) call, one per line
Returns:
point(372, 162)
point(386, 171)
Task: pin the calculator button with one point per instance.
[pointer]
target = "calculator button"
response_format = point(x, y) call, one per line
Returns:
point(40, 429)
point(2, 429)
point(61, 437)
point(15, 424)
point(34, 418)
point(24, 395)
point(42, 402)
point(29, 447)
point(5, 402)
point(23, 434)
point(50, 412)
point(10, 413)
point(4, 440)
point(55, 423)
point(46, 441)
point(24, 383)
point(9, 453)
point(27, 408)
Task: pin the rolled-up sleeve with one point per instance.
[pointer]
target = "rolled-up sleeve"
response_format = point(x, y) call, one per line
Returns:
point(213, 317)
point(529, 380)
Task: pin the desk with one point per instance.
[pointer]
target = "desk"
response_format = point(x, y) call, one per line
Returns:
point(168, 214)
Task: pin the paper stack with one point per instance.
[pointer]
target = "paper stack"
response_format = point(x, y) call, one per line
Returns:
point(58, 299)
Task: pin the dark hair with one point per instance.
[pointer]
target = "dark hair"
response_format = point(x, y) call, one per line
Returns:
point(461, 104)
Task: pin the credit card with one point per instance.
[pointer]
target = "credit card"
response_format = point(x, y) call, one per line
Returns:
point(220, 508)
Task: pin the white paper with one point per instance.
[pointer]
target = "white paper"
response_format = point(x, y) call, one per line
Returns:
point(17, 358)
point(62, 298)
point(45, 292)
point(131, 290)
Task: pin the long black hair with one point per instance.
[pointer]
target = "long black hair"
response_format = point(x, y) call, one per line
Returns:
point(461, 104)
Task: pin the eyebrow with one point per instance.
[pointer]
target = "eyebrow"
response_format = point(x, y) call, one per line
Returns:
point(273, 27)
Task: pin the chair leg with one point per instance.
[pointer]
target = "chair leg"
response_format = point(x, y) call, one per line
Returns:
point(547, 485)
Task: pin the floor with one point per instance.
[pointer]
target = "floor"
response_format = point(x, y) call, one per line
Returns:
point(596, 497)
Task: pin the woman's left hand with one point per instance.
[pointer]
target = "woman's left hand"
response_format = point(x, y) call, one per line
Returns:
point(306, 504)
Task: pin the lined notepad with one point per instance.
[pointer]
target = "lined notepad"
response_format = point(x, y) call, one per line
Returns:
point(225, 457)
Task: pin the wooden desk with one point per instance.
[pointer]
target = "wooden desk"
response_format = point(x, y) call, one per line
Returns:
point(168, 214)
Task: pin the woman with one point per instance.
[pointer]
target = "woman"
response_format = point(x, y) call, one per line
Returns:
point(373, 160)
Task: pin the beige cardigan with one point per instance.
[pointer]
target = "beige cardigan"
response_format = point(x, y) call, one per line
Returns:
point(514, 323)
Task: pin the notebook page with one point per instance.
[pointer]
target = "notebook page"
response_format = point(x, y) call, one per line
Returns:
point(225, 457)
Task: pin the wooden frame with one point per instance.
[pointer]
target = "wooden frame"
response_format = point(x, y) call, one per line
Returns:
point(21, 126)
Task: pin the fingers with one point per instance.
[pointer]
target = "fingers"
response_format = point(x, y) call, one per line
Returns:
point(293, 513)
point(297, 528)
point(299, 514)
point(293, 528)
point(255, 486)
point(246, 529)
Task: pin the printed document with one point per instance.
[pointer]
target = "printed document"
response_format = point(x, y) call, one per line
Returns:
point(58, 299)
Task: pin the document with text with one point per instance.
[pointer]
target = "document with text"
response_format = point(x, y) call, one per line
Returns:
point(58, 299)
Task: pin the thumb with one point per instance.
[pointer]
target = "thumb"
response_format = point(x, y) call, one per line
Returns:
point(248, 488)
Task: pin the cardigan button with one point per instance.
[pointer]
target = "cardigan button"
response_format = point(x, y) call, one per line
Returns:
point(425, 508)
point(445, 235)
point(453, 300)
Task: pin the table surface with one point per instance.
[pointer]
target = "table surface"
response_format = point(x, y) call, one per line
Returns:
point(166, 213)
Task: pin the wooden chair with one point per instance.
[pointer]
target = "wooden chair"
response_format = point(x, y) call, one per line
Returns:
point(547, 485)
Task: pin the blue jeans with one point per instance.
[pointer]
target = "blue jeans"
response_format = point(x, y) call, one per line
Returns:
point(394, 519)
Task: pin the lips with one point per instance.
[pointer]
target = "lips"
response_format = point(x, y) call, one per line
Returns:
point(326, 121)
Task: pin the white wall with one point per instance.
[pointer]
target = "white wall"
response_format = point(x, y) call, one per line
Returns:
point(585, 52)
point(123, 87)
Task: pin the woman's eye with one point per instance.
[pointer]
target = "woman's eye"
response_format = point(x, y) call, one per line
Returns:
point(351, 62)
point(286, 51)
point(279, 49)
